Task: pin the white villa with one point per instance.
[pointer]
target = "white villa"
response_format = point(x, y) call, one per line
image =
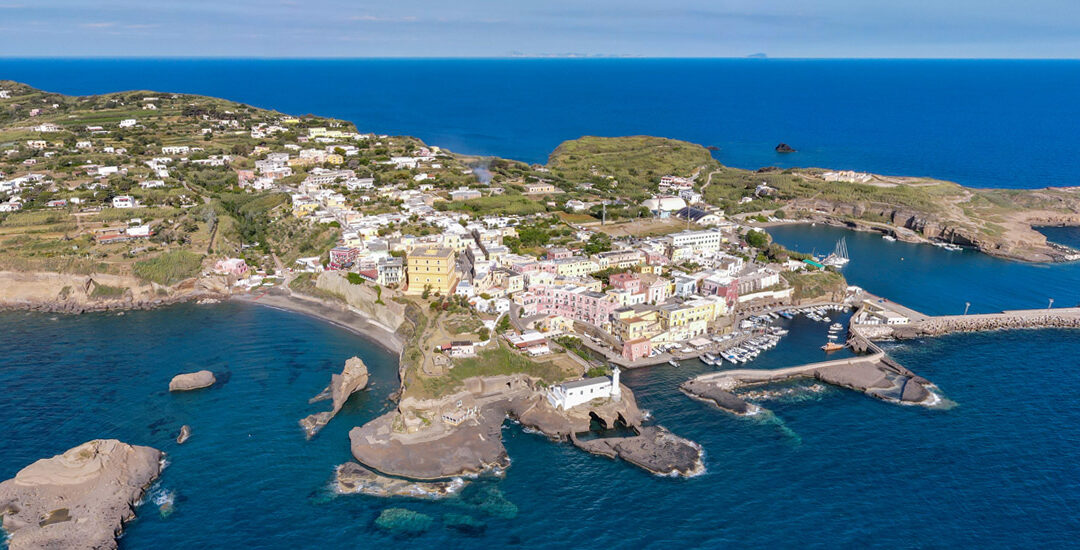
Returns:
point(571, 394)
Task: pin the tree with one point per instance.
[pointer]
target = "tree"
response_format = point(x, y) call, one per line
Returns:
point(598, 242)
point(427, 292)
point(757, 239)
point(503, 325)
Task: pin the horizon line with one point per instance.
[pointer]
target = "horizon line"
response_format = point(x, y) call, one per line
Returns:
point(754, 57)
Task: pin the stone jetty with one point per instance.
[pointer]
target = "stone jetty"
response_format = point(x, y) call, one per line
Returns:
point(875, 375)
point(948, 324)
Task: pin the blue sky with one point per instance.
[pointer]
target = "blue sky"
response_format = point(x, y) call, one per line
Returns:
point(498, 28)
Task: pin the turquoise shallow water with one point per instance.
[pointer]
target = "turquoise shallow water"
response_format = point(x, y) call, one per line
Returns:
point(824, 469)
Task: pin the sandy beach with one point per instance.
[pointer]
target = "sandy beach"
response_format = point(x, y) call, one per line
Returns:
point(334, 313)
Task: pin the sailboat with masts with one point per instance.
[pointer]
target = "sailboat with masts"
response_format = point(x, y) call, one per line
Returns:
point(839, 257)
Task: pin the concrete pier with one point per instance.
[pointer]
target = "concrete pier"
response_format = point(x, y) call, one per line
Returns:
point(948, 324)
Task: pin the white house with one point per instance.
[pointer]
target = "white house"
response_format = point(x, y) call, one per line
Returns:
point(123, 201)
point(571, 394)
point(128, 123)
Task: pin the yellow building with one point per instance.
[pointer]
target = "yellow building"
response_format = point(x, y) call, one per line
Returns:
point(694, 311)
point(430, 267)
point(632, 325)
point(302, 209)
point(334, 158)
point(575, 266)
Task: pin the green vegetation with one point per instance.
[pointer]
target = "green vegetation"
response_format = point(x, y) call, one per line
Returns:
point(170, 267)
point(811, 285)
point(573, 345)
point(636, 163)
point(106, 292)
point(506, 205)
point(501, 360)
point(354, 278)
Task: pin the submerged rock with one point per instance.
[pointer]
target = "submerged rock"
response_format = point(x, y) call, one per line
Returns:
point(463, 523)
point(79, 499)
point(192, 381)
point(403, 521)
point(352, 379)
point(354, 478)
point(185, 434)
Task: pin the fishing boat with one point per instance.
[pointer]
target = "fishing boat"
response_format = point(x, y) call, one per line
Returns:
point(836, 327)
point(832, 346)
point(673, 363)
point(839, 257)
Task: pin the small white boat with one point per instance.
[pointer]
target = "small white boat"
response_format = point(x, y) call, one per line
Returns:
point(836, 327)
point(889, 238)
point(673, 363)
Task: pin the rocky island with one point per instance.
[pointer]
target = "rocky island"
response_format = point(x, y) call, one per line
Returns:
point(192, 381)
point(79, 499)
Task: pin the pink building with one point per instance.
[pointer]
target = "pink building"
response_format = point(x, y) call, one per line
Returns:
point(716, 285)
point(636, 349)
point(342, 257)
point(569, 301)
point(626, 281)
point(232, 266)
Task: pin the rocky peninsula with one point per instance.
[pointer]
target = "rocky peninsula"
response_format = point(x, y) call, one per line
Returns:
point(353, 378)
point(79, 499)
point(460, 434)
point(74, 294)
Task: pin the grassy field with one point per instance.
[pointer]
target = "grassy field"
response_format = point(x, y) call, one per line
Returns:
point(635, 162)
point(170, 267)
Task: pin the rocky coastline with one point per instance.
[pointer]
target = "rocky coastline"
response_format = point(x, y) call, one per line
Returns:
point(437, 439)
point(1023, 243)
point(79, 499)
point(46, 292)
point(874, 375)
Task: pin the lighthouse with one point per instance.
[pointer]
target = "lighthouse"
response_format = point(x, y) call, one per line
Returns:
point(616, 393)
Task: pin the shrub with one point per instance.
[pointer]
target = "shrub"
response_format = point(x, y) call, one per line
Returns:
point(169, 268)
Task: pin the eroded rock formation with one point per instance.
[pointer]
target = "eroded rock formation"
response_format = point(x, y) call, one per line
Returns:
point(352, 379)
point(79, 499)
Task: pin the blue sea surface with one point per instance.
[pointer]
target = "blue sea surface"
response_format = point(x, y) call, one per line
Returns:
point(979, 123)
point(820, 469)
point(939, 282)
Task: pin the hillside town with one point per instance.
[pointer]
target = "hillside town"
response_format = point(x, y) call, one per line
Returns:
point(545, 262)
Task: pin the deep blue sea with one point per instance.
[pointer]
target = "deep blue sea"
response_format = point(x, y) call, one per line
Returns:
point(824, 469)
point(980, 123)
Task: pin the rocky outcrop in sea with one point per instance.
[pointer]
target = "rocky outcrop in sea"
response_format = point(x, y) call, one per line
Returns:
point(77, 500)
point(192, 381)
point(353, 378)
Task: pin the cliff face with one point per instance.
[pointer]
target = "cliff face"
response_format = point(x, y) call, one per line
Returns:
point(363, 297)
point(69, 293)
point(1011, 236)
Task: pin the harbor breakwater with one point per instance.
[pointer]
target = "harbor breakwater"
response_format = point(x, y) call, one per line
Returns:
point(1006, 320)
